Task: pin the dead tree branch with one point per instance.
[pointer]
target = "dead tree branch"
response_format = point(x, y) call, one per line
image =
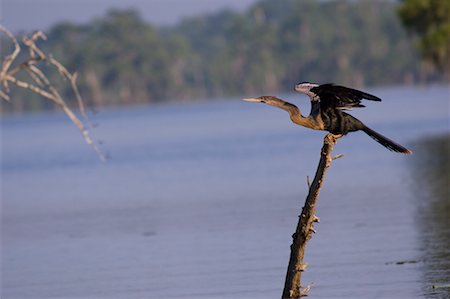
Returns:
point(293, 288)
point(39, 82)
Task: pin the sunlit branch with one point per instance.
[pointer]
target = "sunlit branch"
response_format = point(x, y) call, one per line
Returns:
point(39, 83)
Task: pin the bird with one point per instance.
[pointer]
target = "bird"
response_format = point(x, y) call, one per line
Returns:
point(328, 102)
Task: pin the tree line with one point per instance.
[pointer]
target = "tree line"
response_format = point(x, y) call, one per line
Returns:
point(122, 59)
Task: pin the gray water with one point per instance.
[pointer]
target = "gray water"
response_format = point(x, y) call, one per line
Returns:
point(200, 201)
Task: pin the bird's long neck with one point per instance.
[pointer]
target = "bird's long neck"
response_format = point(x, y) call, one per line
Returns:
point(296, 115)
point(307, 122)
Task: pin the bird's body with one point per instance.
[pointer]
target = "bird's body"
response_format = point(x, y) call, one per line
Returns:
point(327, 104)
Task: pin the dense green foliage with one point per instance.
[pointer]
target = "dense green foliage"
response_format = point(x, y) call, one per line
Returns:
point(269, 48)
point(430, 19)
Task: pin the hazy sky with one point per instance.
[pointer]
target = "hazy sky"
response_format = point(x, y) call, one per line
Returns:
point(29, 15)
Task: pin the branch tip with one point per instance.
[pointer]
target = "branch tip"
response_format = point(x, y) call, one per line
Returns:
point(337, 156)
point(304, 292)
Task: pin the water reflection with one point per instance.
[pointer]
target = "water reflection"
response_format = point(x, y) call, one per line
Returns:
point(432, 177)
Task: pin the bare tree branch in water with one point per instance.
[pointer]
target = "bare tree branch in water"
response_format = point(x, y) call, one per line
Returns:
point(38, 82)
point(293, 288)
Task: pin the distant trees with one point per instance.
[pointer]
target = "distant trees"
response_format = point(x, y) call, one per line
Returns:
point(124, 60)
point(430, 20)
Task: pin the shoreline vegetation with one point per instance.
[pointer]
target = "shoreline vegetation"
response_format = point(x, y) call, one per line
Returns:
point(123, 60)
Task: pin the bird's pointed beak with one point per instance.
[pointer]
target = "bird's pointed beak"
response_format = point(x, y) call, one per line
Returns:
point(252, 100)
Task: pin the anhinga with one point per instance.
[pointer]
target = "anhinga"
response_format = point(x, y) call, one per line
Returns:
point(327, 103)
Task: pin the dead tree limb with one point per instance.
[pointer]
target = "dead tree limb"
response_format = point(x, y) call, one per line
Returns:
point(39, 83)
point(292, 287)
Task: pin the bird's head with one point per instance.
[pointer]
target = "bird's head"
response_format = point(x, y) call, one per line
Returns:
point(305, 87)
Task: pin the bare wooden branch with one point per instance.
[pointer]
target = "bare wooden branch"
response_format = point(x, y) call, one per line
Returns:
point(40, 83)
point(4, 96)
point(293, 288)
point(6, 64)
point(35, 75)
point(31, 44)
point(31, 87)
point(72, 78)
point(337, 156)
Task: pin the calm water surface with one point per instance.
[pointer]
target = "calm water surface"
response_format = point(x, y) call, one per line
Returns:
point(200, 201)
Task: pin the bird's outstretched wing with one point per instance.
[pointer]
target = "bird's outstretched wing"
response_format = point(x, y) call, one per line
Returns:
point(341, 97)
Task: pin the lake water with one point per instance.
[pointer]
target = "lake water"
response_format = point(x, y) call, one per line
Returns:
point(200, 201)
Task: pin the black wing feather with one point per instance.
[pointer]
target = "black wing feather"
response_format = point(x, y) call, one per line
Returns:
point(341, 97)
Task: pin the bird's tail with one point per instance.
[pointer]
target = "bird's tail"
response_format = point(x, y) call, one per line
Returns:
point(386, 142)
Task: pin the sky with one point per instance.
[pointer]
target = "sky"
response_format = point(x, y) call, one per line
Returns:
point(28, 15)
